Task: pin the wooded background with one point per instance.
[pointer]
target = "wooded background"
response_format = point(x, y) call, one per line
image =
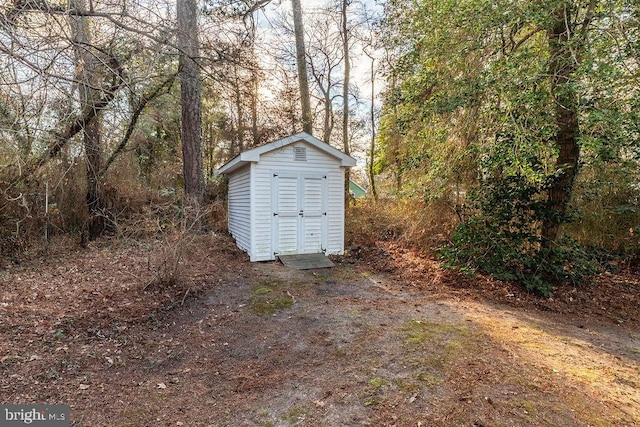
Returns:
point(507, 128)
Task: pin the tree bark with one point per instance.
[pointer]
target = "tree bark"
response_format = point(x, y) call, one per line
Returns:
point(562, 65)
point(190, 98)
point(86, 66)
point(254, 85)
point(345, 95)
point(255, 131)
point(372, 144)
point(301, 60)
point(240, 127)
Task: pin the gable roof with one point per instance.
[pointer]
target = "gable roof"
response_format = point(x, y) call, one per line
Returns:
point(254, 154)
point(356, 189)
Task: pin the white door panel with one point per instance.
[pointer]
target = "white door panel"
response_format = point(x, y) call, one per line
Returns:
point(313, 214)
point(299, 217)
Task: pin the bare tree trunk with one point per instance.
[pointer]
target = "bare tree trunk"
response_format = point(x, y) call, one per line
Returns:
point(396, 158)
point(327, 122)
point(303, 78)
point(97, 223)
point(255, 132)
point(347, 76)
point(254, 73)
point(327, 127)
point(190, 97)
point(565, 47)
point(372, 145)
point(237, 87)
point(345, 95)
point(86, 66)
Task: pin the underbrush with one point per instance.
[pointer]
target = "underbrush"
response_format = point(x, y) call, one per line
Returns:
point(503, 236)
point(409, 223)
point(608, 199)
point(54, 204)
point(480, 243)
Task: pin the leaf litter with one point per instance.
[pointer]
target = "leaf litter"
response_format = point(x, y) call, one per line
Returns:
point(385, 338)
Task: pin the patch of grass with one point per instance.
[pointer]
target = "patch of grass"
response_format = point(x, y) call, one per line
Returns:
point(294, 415)
point(134, 417)
point(590, 414)
point(420, 331)
point(264, 419)
point(430, 381)
point(374, 393)
point(407, 387)
point(269, 296)
point(355, 312)
point(429, 348)
point(527, 406)
point(340, 352)
point(588, 374)
point(372, 401)
point(267, 284)
point(140, 413)
point(377, 382)
point(268, 307)
point(261, 291)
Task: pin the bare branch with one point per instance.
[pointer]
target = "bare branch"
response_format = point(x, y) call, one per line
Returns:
point(163, 87)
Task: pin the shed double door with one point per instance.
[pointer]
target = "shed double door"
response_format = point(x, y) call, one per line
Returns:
point(300, 213)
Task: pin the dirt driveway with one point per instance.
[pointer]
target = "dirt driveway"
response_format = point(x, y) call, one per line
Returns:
point(241, 344)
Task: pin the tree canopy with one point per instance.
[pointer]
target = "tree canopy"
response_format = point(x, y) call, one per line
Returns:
point(513, 108)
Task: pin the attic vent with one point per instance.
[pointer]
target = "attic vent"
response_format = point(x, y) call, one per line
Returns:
point(300, 154)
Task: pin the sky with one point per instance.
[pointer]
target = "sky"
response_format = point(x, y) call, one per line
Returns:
point(360, 63)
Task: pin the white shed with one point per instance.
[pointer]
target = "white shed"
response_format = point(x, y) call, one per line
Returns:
point(287, 197)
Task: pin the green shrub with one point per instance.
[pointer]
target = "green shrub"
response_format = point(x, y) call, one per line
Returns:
point(502, 238)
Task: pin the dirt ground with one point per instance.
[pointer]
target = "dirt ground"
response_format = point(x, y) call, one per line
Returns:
point(386, 338)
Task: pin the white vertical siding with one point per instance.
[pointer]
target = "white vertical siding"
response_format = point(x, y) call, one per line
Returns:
point(240, 208)
point(252, 204)
point(282, 160)
point(263, 212)
point(335, 212)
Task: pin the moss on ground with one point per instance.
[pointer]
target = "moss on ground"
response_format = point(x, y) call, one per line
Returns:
point(268, 297)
